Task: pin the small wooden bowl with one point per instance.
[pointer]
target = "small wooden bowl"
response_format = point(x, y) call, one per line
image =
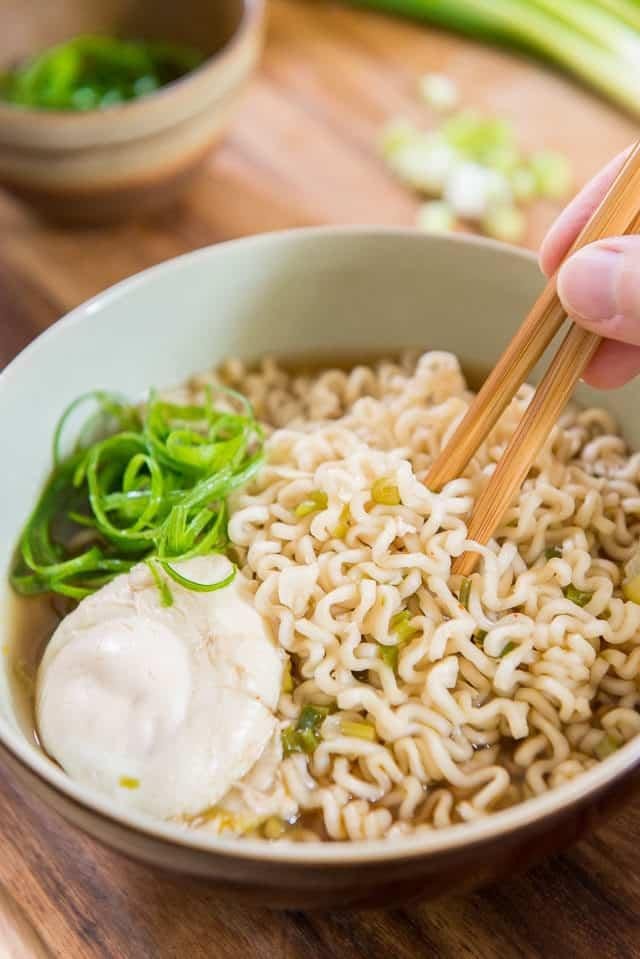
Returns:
point(105, 165)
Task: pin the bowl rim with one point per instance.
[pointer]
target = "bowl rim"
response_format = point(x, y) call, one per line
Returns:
point(523, 815)
point(252, 14)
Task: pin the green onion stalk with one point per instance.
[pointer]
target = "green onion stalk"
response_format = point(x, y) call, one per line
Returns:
point(597, 41)
point(136, 486)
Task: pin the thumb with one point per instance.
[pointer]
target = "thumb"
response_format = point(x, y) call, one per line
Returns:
point(599, 287)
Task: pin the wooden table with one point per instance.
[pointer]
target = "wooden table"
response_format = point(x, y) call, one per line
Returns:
point(300, 152)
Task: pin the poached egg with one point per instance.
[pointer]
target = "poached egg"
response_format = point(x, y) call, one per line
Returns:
point(163, 707)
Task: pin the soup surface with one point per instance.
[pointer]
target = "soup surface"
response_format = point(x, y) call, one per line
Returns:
point(412, 699)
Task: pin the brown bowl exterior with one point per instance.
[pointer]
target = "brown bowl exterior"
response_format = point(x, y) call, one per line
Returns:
point(106, 165)
point(341, 885)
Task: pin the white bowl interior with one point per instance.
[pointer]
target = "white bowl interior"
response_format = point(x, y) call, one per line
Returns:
point(309, 292)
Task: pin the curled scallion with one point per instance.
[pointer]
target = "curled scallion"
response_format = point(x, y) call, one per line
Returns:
point(141, 486)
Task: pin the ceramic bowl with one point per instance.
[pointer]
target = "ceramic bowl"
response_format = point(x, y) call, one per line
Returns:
point(327, 292)
point(108, 164)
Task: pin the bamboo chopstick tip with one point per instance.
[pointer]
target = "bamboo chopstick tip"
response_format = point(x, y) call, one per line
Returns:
point(465, 564)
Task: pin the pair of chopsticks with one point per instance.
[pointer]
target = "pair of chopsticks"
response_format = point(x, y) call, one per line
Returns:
point(618, 213)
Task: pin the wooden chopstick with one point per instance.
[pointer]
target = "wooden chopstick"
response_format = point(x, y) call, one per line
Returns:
point(554, 390)
point(612, 217)
point(618, 213)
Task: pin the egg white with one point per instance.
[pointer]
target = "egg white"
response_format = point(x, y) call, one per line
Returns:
point(164, 707)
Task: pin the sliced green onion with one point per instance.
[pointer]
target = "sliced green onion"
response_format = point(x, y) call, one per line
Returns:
point(435, 217)
point(523, 184)
point(385, 493)
point(358, 730)
point(606, 747)
point(89, 72)
point(290, 741)
point(507, 649)
point(474, 190)
point(304, 735)
point(308, 740)
point(506, 223)
point(552, 174)
point(149, 487)
point(503, 158)
point(342, 527)
point(424, 163)
point(578, 596)
point(400, 625)
point(465, 592)
point(396, 135)
point(438, 91)
point(389, 656)
point(481, 138)
point(552, 552)
point(129, 782)
point(315, 502)
point(287, 678)
point(479, 636)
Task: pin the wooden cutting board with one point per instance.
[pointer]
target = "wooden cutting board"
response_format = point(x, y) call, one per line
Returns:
point(300, 152)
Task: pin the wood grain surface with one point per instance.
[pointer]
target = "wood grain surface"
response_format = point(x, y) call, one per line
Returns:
point(300, 152)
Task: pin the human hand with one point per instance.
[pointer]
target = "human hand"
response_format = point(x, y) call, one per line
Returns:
point(599, 285)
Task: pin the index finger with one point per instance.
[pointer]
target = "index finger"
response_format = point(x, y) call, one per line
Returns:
point(563, 232)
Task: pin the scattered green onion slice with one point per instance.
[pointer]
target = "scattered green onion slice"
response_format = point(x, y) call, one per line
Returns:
point(479, 636)
point(524, 184)
point(578, 596)
point(552, 552)
point(606, 747)
point(287, 678)
point(389, 656)
point(465, 592)
point(358, 730)
point(436, 216)
point(315, 502)
point(342, 527)
point(397, 134)
point(506, 223)
point(400, 625)
point(290, 740)
point(439, 91)
point(588, 39)
point(385, 493)
point(304, 735)
point(552, 174)
point(129, 782)
point(507, 649)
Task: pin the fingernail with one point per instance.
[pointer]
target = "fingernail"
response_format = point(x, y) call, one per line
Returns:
point(588, 284)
